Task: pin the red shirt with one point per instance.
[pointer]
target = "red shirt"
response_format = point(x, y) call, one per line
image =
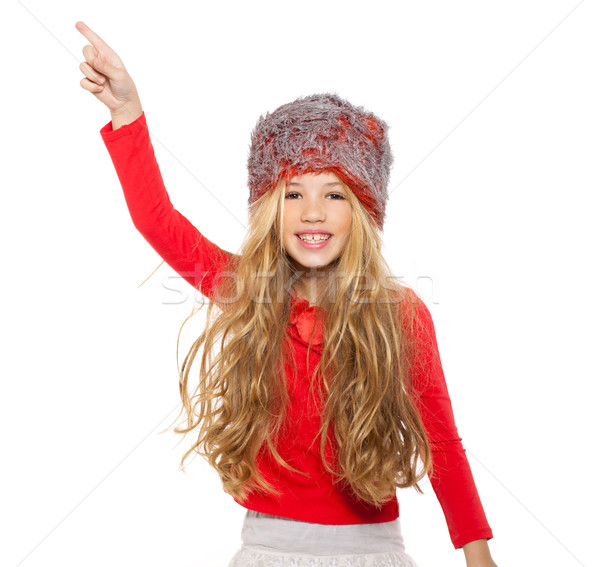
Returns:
point(316, 498)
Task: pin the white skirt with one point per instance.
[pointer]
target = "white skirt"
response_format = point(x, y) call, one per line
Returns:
point(271, 541)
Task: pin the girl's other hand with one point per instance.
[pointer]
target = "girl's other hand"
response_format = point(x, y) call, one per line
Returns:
point(107, 79)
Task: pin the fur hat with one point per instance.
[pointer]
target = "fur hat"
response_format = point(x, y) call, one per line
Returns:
point(317, 133)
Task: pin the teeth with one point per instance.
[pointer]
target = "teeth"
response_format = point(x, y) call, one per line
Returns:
point(308, 238)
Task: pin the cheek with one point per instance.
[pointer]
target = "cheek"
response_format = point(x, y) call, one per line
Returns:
point(347, 220)
point(285, 224)
point(344, 230)
point(288, 230)
point(288, 217)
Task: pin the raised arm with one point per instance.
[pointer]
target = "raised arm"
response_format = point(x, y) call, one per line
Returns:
point(451, 477)
point(198, 260)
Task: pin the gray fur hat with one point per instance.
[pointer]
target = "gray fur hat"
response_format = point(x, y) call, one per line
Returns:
point(322, 132)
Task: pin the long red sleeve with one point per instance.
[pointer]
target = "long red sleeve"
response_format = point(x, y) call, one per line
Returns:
point(451, 477)
point(200, 261)
point(173, 236)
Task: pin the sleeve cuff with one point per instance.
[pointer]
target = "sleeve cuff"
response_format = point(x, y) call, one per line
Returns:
point(472, 536)
point(109, 134)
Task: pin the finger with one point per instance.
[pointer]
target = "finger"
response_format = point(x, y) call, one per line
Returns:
point(103, 62)
point(99, 62)
point(90, 54)
point(91, 74)
point(92, 37)
point(90, 86)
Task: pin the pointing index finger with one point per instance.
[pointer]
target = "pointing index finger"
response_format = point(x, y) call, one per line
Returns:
point(91, 36)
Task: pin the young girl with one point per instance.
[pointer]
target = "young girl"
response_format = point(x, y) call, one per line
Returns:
point(326, 392)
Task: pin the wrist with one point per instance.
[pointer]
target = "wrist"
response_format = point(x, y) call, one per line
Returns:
point(477, 553)
point(126, 114)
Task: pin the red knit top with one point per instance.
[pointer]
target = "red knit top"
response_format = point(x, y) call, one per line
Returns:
point(314, 498)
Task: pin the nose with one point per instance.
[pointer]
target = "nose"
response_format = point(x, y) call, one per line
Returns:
point(313, 210)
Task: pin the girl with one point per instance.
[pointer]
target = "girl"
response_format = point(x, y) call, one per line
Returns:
point(326, 392)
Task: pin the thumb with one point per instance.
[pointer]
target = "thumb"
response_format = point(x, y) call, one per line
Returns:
point(100, 64)
point(107, 64)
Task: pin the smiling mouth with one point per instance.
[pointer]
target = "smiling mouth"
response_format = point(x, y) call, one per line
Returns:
point(314, 239)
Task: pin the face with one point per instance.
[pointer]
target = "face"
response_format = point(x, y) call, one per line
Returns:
point(316, 205)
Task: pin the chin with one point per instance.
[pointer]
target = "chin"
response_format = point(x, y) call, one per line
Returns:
point(315, 265)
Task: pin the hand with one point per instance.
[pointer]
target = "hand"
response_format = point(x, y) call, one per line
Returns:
point(106, 77)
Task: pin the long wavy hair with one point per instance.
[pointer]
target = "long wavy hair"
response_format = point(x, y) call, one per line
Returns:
point(237, 404)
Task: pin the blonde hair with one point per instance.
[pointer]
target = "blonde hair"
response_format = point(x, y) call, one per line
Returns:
point(238, 406)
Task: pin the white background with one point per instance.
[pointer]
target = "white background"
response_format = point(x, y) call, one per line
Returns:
point(494, 121)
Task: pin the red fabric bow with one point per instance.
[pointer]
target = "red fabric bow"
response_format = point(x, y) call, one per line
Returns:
point(306, 318)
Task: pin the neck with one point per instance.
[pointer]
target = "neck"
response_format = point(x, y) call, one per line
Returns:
point(312, 286)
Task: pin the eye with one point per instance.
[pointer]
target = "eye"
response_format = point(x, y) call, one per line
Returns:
point(289, 195)
point(337, 195)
